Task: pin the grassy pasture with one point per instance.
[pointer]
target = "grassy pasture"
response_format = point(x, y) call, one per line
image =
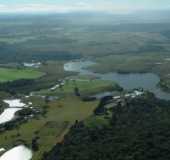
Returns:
point(61, 115)
point(8, 74)
point(85, 86)
point(51, 128)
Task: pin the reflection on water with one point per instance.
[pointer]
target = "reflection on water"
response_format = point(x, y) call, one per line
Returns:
point(147, 81)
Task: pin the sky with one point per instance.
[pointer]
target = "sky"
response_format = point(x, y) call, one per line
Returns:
point(64, 6)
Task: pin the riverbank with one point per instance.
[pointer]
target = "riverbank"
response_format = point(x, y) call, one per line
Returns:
point(147, 81)
point(158, 64)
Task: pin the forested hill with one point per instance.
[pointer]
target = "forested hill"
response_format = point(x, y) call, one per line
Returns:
point(138, 130)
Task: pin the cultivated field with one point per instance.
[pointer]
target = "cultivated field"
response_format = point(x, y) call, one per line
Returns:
point(7, 74)
point(60, 115)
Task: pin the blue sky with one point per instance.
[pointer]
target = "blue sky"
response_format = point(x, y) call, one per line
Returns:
point(113, 6)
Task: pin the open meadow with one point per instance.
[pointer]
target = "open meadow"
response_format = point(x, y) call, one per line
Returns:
point(10, 74)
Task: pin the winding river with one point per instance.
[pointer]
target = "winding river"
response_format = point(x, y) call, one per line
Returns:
point(147, 81)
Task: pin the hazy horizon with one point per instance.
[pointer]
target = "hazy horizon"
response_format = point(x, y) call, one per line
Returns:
point(65, 6)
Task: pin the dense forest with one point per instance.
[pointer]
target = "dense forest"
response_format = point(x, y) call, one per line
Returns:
point(137, 130)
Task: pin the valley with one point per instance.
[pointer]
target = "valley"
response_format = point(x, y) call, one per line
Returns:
point(68, 81)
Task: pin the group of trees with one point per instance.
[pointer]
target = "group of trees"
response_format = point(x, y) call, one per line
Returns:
point(100, 110)
point(16, 86)
point(25, 85)
point(139, 129)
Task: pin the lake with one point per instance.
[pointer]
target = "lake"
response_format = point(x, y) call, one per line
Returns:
point(147, 81)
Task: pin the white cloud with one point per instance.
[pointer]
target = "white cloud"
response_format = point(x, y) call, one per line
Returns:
point(37, 8)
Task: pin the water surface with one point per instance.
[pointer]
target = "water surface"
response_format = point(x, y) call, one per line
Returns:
point(147, 81)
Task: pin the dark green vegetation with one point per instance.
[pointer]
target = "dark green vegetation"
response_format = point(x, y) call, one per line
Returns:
point(136, 129)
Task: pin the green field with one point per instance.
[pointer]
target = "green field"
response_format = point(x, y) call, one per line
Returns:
point(51, 128)
point(49, 72)
point(61, 114)
point(85, 86)
point(8, 74)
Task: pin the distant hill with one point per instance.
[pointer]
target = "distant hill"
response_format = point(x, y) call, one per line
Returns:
point(79, 35)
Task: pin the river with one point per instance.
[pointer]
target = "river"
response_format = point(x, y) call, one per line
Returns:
point(147, 81)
